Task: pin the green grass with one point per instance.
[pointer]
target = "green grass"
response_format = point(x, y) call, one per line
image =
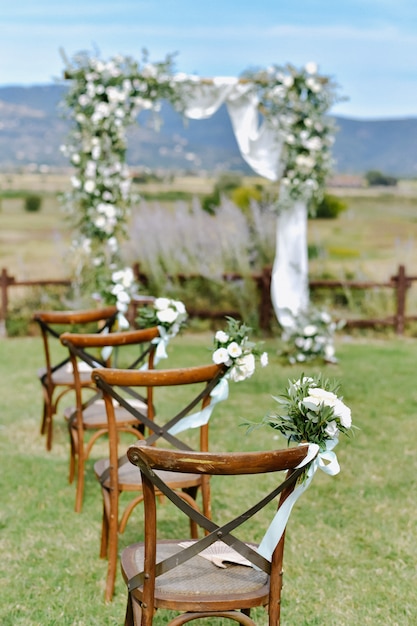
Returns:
point(351, 550)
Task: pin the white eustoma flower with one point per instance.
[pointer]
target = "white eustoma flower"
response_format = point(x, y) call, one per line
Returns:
point(83, 100)
point(313, 85)
point(331, 429)
point(95, 152)
point(117, 289)
point(318, 396)
point(221, 355)
point(308, 344)
point(234, 349)
point(311, 67)
point(100, 222)
point(89, 186)
point(309, 330)
point(117, 276)
point(123, 297)
point(314, 144)
point(161, 303)
point(325, 317)
point(127, 277)
point(288, 81)
point(243, 368)
point(343, 412)
point(304, 162)
point(221, 336)
point(329, 351)
point(179, 306)
point(167, 316)
point(112, 244)
point(264, 359)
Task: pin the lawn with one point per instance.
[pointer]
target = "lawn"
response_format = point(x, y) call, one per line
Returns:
point(351, 549)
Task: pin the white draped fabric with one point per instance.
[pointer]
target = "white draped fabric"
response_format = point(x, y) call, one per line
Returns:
point(261, 148)
point(289, 281)
point(258, 142)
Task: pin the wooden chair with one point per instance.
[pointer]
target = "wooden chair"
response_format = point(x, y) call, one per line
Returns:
point(117, 475)
point(171, 574)
point(57, 379)
point(89, 415)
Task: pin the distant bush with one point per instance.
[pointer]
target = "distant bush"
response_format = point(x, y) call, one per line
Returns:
point(330, 207)
point(33, 203)
point(242, 196)
point(224, 186)
point(374, 178)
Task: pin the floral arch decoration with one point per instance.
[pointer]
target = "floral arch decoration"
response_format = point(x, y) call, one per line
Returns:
point(279, 116)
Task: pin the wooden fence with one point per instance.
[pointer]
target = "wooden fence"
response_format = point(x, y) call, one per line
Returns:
point(398, 284)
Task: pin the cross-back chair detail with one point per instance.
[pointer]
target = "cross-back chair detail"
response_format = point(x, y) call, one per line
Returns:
point(171, 574)
point(57, 379)
point(89, 415)
point(117, 475)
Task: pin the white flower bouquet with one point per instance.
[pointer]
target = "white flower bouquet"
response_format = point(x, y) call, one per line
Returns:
point(171, 315)
point(296, 101)
point(233, 348)
point(311, 411)
point(310, 337)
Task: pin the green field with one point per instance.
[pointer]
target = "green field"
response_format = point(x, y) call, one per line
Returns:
point(376, 233)
point(351, 549)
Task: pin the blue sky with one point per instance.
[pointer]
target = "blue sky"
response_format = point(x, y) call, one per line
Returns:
point(369, 47)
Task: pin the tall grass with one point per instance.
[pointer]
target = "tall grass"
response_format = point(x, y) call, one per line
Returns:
point(351, 543)
point(187, 239)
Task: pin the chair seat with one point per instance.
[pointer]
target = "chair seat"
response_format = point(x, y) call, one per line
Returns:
point(94, 416)
point(130, 478)
point(199, 580)
point(65, 376)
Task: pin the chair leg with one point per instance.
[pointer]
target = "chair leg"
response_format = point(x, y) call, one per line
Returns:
point(80, 479)
point(133, 612)
point(104, 544)
point(71, 470)
point(129, 611)
point(43, 422)
point(111, 568)
point(49, 428)
point(113, 540)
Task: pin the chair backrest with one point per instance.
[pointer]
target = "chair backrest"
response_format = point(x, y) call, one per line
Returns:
point(150, 458)
point(112, 383)
point(103, 318)
point(88, 348)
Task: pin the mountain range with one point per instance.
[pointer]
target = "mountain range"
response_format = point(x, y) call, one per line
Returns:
point(32, 130)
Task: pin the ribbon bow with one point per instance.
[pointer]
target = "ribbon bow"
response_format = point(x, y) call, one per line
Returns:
point(325, 460)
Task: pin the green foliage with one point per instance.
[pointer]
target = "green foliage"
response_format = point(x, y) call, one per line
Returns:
point(243, 196)
point(375, 178)
point(224, 186)
point(20, 311)
point(329, 207)
point(167, 196)
point(33, 203)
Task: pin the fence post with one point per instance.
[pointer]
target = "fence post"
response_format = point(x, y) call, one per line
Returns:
point(5, 281)
point(402, 284)
point(265, 307)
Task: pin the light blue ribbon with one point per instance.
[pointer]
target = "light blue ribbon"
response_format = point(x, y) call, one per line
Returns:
point(328, 463)
point(195, 420)
point(161, 343)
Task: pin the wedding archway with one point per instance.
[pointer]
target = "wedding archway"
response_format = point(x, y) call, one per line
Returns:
point(279, 117)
